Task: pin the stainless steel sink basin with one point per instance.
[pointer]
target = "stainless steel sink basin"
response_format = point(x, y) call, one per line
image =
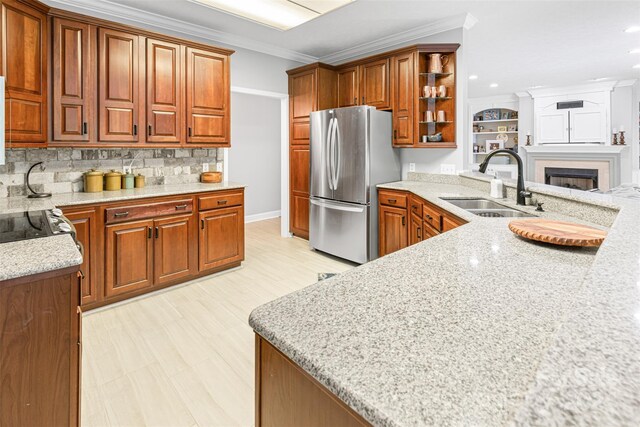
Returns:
point(487, 208)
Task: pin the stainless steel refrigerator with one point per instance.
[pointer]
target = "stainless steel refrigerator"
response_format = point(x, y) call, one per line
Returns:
point(351, 152)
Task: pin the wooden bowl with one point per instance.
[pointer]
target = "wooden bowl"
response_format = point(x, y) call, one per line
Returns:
point(211, 177)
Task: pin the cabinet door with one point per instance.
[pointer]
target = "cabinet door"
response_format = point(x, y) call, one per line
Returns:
point(221, 237)
point(374, 84)
point(348, 90)
point(164, 81)
point(174, 251)
point(302, 94)
point(129, 257)
point(552, 126)
point(119, 98)
point(207, 97)
point(588, 125)
point(392, 233)
point(415, 230)
point(73, 80)
point(86, 232)
point(23, 45)
point(450, 222)
point(299, 197)
point(403, 97)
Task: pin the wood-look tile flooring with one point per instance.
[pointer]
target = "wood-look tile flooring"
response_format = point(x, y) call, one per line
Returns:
point(185, 356)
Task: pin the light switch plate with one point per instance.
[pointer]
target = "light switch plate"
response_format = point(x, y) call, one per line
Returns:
point(205, 167)
point(448, 169)
point(412, 167)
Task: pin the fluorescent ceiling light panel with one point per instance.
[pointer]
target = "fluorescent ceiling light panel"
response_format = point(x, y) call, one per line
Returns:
point(632, 29)
point(473, 77)
point(279, 14)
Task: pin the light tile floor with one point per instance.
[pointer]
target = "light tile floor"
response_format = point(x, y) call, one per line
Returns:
point(185, 356)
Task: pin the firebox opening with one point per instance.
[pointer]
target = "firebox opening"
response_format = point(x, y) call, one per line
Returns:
point(579, 179)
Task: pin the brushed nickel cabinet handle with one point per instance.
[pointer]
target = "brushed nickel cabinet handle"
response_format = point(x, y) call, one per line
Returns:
point(222, 202)
point(391, 200)
point(180, 207)
point(120, 214)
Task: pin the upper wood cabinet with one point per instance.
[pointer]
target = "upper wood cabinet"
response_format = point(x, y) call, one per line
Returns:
point(165, 116)
point(374, 83)
point(119, 108)
point(207, 97)
point(348, 87)
point(23, 56)
point(403, 99)
point(302, 94)
point(74, 84)
point(365, 84)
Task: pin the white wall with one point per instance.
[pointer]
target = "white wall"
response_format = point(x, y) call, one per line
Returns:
point(255, 70)
point(254, 158)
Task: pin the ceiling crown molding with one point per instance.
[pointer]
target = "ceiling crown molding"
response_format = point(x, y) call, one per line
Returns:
point(574, 90)
point(464, 20)
point(132, 16)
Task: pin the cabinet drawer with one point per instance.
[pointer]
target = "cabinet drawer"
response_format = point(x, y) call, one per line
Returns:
point(398, 200)
point(428, 231)
point(415, 205)
point(432, 217)
point(451, 222)
point(216, 201)
point(128, 213)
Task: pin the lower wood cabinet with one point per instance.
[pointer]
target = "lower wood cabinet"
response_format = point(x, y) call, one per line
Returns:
point(129, 257)
point(174, 249)
point(392, 233)
point(406, 219)
point(288, 396)
point(40, 344)
point(85, 222)
point(221, 237)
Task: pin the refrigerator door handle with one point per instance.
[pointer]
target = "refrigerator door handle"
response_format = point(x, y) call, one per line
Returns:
point(328, 144)
point(338, 207)
point(338, 142)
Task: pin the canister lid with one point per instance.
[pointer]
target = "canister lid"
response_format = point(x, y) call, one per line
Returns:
point(94, 172)
point(113, 173)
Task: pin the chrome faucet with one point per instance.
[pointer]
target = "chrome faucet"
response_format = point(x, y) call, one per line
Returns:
point(520, 188)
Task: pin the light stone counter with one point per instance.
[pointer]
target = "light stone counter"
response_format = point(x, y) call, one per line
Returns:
point(477, 326)
point(34, 256)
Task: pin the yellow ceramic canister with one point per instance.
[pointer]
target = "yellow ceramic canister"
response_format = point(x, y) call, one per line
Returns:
point(112, 180)
point(139, 181)
point(93, 181)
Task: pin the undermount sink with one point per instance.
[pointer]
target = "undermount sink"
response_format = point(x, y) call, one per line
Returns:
point(487, 208)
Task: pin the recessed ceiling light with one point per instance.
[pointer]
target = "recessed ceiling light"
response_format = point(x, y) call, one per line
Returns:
point(279, 14)
point(473, 77)
point(632, 29)
point(635, 50)
point(599, 79)
point(535, 87)
point(636, 66)
point(493, 85)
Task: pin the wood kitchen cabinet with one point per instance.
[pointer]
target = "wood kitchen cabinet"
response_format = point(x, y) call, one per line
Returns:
point(208, 115)
point(74, 82)
point(41, 346)
point(165, 117)
point(392, 229)
point(365, 84)
point(174, 249)
point(24, 51)
point(221, 238)
point(128, 257)
point(311, 88)
point(415, 229)
point(403, 99)
point(85, 222)
point(120, 111)
point(348, 86)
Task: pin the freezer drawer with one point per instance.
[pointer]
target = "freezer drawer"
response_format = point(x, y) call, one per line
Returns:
point(339, 229)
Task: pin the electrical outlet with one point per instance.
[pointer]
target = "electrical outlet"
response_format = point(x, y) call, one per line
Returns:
point(448, 169)
point(412, 167)
point(219, 167)
point(205, 167)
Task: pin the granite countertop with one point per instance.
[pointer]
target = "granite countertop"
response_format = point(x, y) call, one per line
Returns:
point(476, 326)
point(28, 257)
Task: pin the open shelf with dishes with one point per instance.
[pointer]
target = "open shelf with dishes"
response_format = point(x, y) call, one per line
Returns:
point(436, 103)
point(494, 128)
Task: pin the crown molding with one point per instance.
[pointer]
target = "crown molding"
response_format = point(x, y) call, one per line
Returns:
point(131, 16)
point(522, 94)
point(464, 20)
point(623, 83)
point(572, 90)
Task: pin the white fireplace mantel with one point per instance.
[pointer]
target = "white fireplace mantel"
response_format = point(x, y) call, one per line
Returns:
point(574, 149)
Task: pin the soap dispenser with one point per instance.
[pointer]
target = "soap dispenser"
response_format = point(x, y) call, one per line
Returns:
point(497, 187)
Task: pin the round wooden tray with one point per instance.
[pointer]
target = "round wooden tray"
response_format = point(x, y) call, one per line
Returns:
point(558, 232)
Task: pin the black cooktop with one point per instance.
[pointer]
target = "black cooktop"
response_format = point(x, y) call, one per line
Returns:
point(24, 225)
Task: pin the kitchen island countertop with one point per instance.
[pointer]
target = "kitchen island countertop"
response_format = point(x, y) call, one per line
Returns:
point(476, 326)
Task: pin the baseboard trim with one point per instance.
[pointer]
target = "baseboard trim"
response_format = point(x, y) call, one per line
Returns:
point(261, 216)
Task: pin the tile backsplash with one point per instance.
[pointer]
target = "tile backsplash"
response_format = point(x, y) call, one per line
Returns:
point(63, 168)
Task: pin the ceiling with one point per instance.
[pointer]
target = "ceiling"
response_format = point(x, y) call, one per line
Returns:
point(516, 44)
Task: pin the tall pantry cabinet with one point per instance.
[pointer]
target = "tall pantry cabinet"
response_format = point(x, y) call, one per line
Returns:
point(311, 88)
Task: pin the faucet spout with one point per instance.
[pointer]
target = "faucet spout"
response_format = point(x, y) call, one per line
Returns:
point(520, 186)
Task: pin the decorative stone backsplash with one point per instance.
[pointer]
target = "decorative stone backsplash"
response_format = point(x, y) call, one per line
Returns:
point(63, 168)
